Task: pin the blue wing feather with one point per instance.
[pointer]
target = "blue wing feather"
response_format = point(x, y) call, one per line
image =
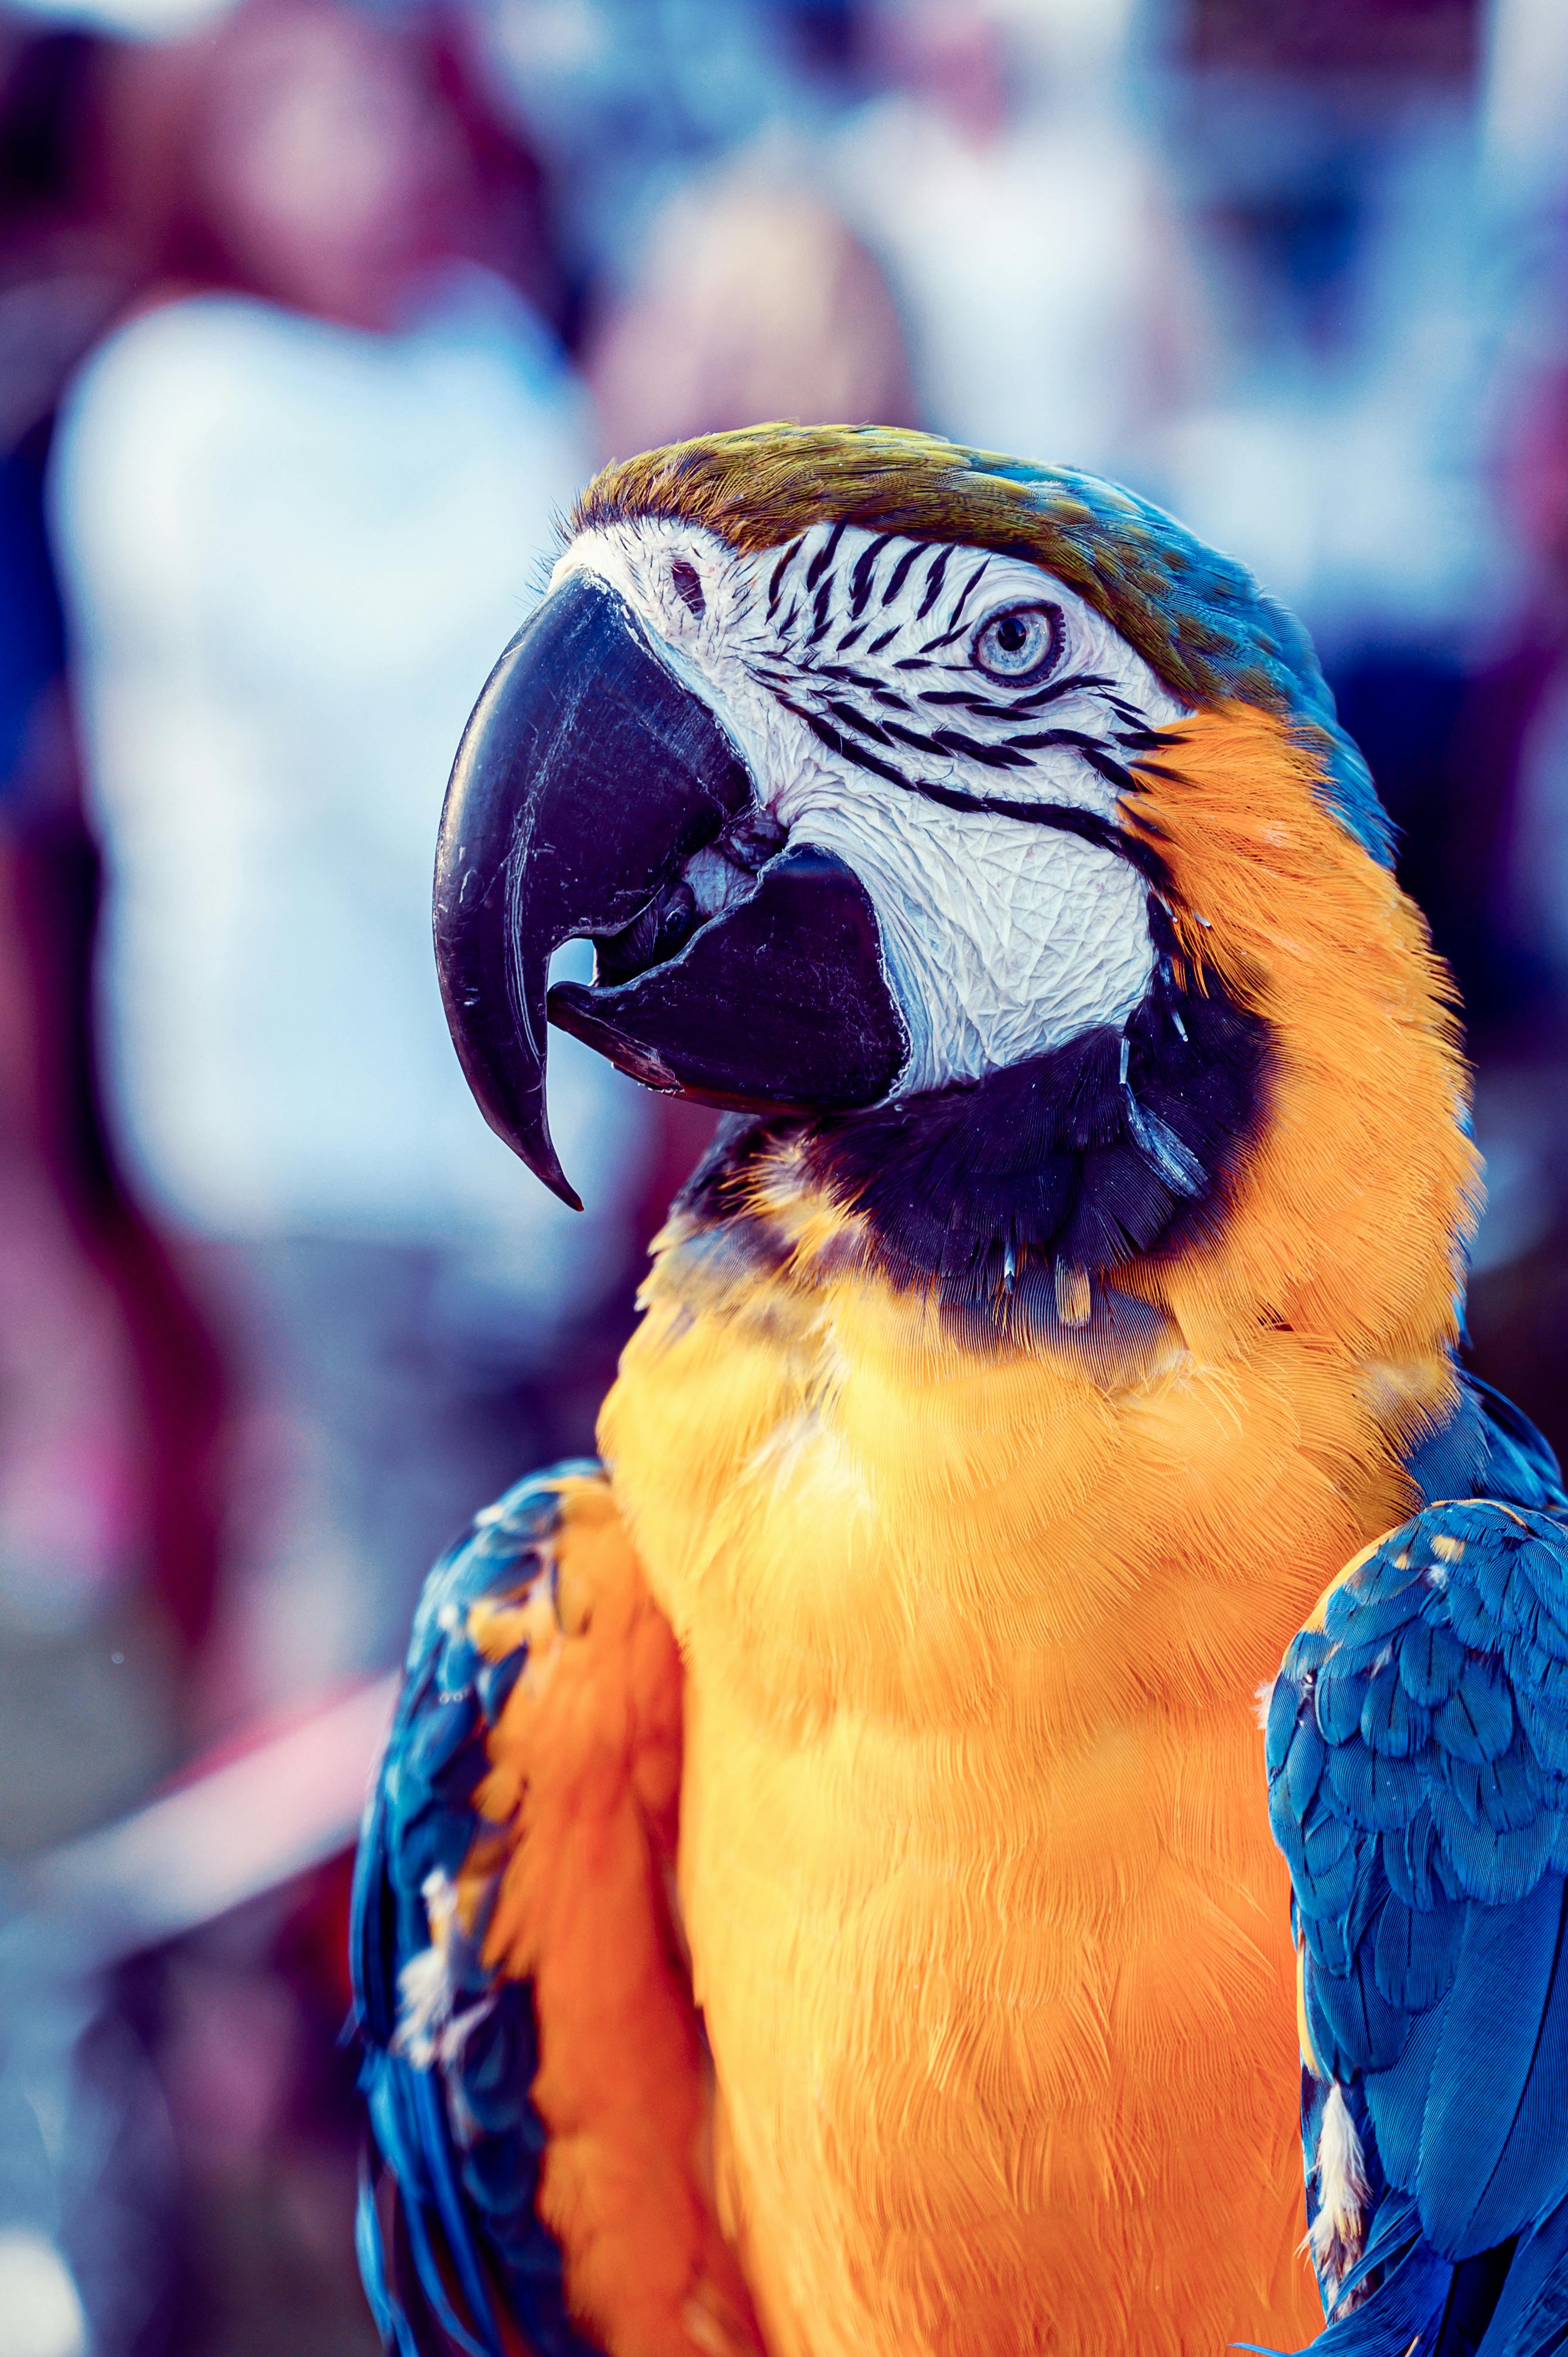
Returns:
point(448, 2236)
point(1417, 1751)
point(1488, 1448)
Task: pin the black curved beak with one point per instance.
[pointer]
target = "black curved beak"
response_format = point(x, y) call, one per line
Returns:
point(595, 793)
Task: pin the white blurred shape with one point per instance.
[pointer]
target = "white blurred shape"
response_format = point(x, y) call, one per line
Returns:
point(1013, 192)
point(294, 552)
point(290, 1801)
point(1524, 97)
point(1092, 38)
point(41, 2313)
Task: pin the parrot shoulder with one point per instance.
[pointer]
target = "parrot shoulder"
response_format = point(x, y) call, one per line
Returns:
point(535, 2071)
point(1417, 1754)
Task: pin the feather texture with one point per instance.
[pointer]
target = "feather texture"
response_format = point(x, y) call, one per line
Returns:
point(449, 2241)
point(992, 1947)
point(1431, 1906)
point(532, 2061)
point(972, 1585)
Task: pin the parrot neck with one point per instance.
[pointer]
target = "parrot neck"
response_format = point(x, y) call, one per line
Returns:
point(1012, 1201)
point(843, 1503)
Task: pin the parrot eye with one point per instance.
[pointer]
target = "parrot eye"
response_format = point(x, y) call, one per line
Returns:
point(1019, 644)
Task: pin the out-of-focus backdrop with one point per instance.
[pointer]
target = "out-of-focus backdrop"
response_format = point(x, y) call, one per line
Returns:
point(314, 314)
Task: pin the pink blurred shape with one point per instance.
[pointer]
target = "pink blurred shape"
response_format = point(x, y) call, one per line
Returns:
point(241, 1824)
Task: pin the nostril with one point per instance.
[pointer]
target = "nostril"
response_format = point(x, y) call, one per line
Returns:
point(687, 588)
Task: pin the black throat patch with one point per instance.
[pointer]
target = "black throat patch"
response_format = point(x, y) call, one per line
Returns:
point(1018, 1196)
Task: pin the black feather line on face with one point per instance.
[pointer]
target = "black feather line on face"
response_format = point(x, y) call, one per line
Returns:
point(860, 579)
point(1114, 772)
point(821, 605)
point(955, 628)
point(823, 561)
point(987, 705)
point(982, 1189)
point(791, 551)
point(899, 574)
point(935, 646)
point(1078, 739)
point(1077, 682)
point(859, 721)
point(934, 580)
point(981, 749)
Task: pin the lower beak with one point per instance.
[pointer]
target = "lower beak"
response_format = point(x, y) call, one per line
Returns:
point(595, 793)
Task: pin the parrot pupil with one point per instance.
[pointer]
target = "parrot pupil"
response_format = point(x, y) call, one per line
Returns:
point(1011, 634)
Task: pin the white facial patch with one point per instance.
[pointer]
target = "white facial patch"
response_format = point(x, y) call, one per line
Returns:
point(911, 707)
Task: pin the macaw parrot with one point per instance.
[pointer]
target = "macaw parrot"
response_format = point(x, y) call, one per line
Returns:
point(822, 1895)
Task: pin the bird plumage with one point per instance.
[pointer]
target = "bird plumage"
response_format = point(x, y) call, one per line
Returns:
point(856, 1792)
point(534, 2068)
point(1418, 1766)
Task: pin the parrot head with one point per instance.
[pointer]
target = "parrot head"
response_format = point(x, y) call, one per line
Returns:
point(844, 747)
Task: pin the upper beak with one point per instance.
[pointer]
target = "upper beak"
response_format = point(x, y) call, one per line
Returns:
point(588, 776)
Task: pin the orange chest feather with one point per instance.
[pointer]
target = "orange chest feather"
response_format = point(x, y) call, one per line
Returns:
point(985, 1920)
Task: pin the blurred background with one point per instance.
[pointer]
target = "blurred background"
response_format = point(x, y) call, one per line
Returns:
point(314, 314)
